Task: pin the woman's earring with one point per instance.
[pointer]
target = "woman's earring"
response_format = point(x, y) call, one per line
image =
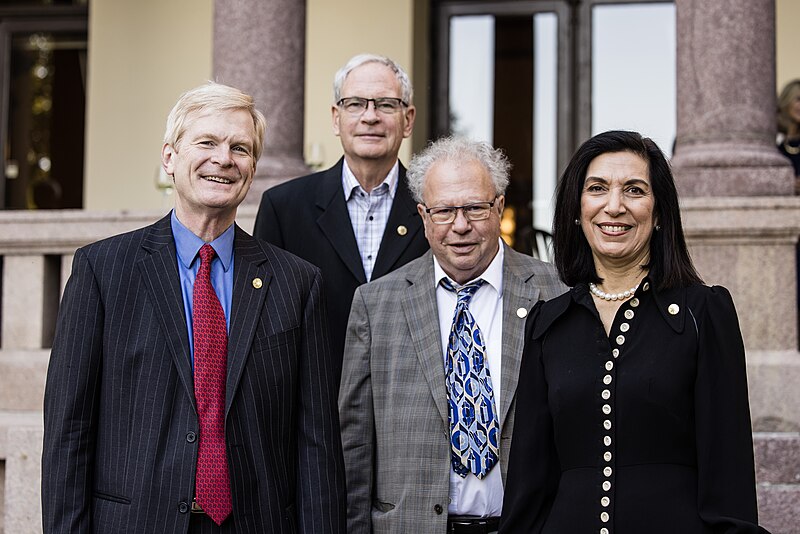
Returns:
point(577, 222)
point(658, 227)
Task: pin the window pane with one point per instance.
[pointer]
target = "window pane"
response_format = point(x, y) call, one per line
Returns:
point(471, 87)
point(545, 118)
point(633, 70)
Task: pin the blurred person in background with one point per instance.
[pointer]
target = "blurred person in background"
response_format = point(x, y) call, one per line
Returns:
point(789, 123)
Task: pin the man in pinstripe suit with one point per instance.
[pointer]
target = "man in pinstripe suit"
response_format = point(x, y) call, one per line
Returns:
point(125, 419)
point(397, 428)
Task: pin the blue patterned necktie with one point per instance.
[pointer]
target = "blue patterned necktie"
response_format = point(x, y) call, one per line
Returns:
point(474, 431)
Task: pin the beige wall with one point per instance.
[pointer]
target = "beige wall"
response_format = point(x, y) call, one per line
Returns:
point(380, 27)
point(133, 82)
point(787, 37)
point(140, 61)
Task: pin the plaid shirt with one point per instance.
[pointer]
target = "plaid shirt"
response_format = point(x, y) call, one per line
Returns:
point(369, 212)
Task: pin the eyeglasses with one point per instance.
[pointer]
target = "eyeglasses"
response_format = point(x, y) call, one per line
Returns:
point(356, 105)
point(477, 211)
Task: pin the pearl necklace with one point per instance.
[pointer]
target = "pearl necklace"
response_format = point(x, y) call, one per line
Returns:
point(625, 295)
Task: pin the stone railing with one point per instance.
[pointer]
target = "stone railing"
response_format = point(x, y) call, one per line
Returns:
point(746, 244)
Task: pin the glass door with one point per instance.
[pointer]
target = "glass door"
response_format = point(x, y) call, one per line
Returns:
point(538, 77)
point(506, 71)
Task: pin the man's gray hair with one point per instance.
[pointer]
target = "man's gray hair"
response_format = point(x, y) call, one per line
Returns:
point(406, 90)
point(458, 149)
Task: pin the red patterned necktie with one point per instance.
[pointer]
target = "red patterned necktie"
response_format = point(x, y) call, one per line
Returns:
point(212, 486)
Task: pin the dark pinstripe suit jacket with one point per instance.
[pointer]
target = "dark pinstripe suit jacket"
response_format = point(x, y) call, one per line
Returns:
point(120, 442)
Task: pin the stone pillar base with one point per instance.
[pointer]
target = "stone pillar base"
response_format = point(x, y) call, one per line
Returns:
point(717, 169)
point(747, 244)
point(772, 378)
point(778, 474)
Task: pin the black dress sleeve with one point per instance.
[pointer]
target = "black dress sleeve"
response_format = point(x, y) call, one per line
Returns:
point(533, 470)
point(726, 474)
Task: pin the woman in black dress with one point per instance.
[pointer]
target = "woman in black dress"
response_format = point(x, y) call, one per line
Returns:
point(632, 402)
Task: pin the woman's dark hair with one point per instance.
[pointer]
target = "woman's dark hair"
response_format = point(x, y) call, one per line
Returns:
point(670, 265)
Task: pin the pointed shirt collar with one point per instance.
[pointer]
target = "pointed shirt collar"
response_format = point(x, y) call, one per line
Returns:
point(188, 244)
point(350, 183)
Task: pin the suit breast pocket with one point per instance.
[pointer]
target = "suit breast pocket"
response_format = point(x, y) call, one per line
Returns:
point(275, 360)
point(278, 342)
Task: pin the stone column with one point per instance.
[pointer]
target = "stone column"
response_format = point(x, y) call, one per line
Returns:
point(259, 47)
point(725, 142)
point(741, 218)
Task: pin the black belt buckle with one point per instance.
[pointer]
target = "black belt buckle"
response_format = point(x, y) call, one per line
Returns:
point(472, 525)
point(196, 507)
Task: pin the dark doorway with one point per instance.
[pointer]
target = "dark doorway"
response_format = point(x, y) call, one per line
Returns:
point(42, 122)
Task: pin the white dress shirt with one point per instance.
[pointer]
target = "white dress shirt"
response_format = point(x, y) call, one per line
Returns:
point(369, 212)
point(470, 495)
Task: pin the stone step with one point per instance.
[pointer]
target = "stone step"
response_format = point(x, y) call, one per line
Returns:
point(779, 508)
point(22, 378)
point(777, 456)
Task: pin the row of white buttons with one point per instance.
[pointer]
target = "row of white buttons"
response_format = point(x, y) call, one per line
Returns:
point(605, 501)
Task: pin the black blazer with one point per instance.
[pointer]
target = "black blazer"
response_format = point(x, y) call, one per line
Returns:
point(120, 441)
point(646, 429)
point(308, 217)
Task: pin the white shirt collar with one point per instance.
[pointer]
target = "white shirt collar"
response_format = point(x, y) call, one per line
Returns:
point(493, 275)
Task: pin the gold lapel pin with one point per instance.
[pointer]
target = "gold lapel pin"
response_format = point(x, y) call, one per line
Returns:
point(522, 313)
point(257, 283)
point(402, 230)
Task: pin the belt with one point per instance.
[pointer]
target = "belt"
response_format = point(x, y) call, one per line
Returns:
point(196, 507)
point(464, 524)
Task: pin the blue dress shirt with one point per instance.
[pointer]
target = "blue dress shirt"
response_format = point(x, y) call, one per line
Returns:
point(187, 245)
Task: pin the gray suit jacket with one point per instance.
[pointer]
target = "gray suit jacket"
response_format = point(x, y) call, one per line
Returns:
point(393, 400)
point(120, 421)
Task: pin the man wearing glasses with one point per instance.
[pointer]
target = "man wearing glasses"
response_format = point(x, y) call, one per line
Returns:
point(355, 221)
point(432, 356)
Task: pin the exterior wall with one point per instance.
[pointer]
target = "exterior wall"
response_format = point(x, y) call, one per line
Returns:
point(140, 61)
point(380, 29)
point(787, 35)
point(133, 82)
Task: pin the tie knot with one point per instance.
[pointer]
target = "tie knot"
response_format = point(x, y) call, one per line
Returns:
point(463, 293)
point(207, 253)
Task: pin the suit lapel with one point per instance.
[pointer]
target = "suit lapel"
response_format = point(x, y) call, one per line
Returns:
point(159, 271)
point(519, 292)
point(250, 262)
point(403, 213)
point(423, 323)
point(334, 221)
